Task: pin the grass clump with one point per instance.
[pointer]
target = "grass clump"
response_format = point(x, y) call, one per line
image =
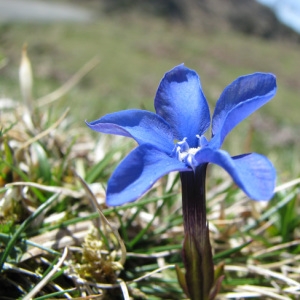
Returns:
point(59, 240)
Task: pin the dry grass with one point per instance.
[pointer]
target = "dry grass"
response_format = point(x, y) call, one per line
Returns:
point(58, 239)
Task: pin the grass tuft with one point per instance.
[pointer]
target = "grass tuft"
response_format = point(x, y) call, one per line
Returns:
point(59, 240)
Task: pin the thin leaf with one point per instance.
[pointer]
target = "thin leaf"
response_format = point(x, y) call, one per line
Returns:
point(23, 227)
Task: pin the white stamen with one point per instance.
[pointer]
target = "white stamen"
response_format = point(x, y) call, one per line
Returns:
point(185, 154)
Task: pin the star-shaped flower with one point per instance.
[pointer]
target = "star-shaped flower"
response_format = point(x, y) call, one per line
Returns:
point(172, 139)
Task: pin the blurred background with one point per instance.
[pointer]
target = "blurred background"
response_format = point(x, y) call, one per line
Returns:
point(138, 41)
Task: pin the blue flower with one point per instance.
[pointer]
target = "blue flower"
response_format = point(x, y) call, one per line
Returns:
point(172, 139)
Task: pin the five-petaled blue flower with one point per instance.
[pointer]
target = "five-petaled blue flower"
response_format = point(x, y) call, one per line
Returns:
point(172, 139)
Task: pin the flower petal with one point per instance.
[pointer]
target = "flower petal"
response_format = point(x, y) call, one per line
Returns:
point(138, 172)
point(252, 172)
point(143, 126)
point(240, 99)
point(180, 101)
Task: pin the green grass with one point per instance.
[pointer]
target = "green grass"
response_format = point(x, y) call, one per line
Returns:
point(259, 243)
point(134, 54)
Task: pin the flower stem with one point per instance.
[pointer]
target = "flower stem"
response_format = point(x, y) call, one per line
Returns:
point(197, 255)
point(194, 201)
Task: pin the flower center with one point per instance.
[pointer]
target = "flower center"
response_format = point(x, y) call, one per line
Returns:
point(184, 153)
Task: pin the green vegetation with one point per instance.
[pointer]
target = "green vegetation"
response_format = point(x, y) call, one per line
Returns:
point(46, 207)
point(134, 54)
